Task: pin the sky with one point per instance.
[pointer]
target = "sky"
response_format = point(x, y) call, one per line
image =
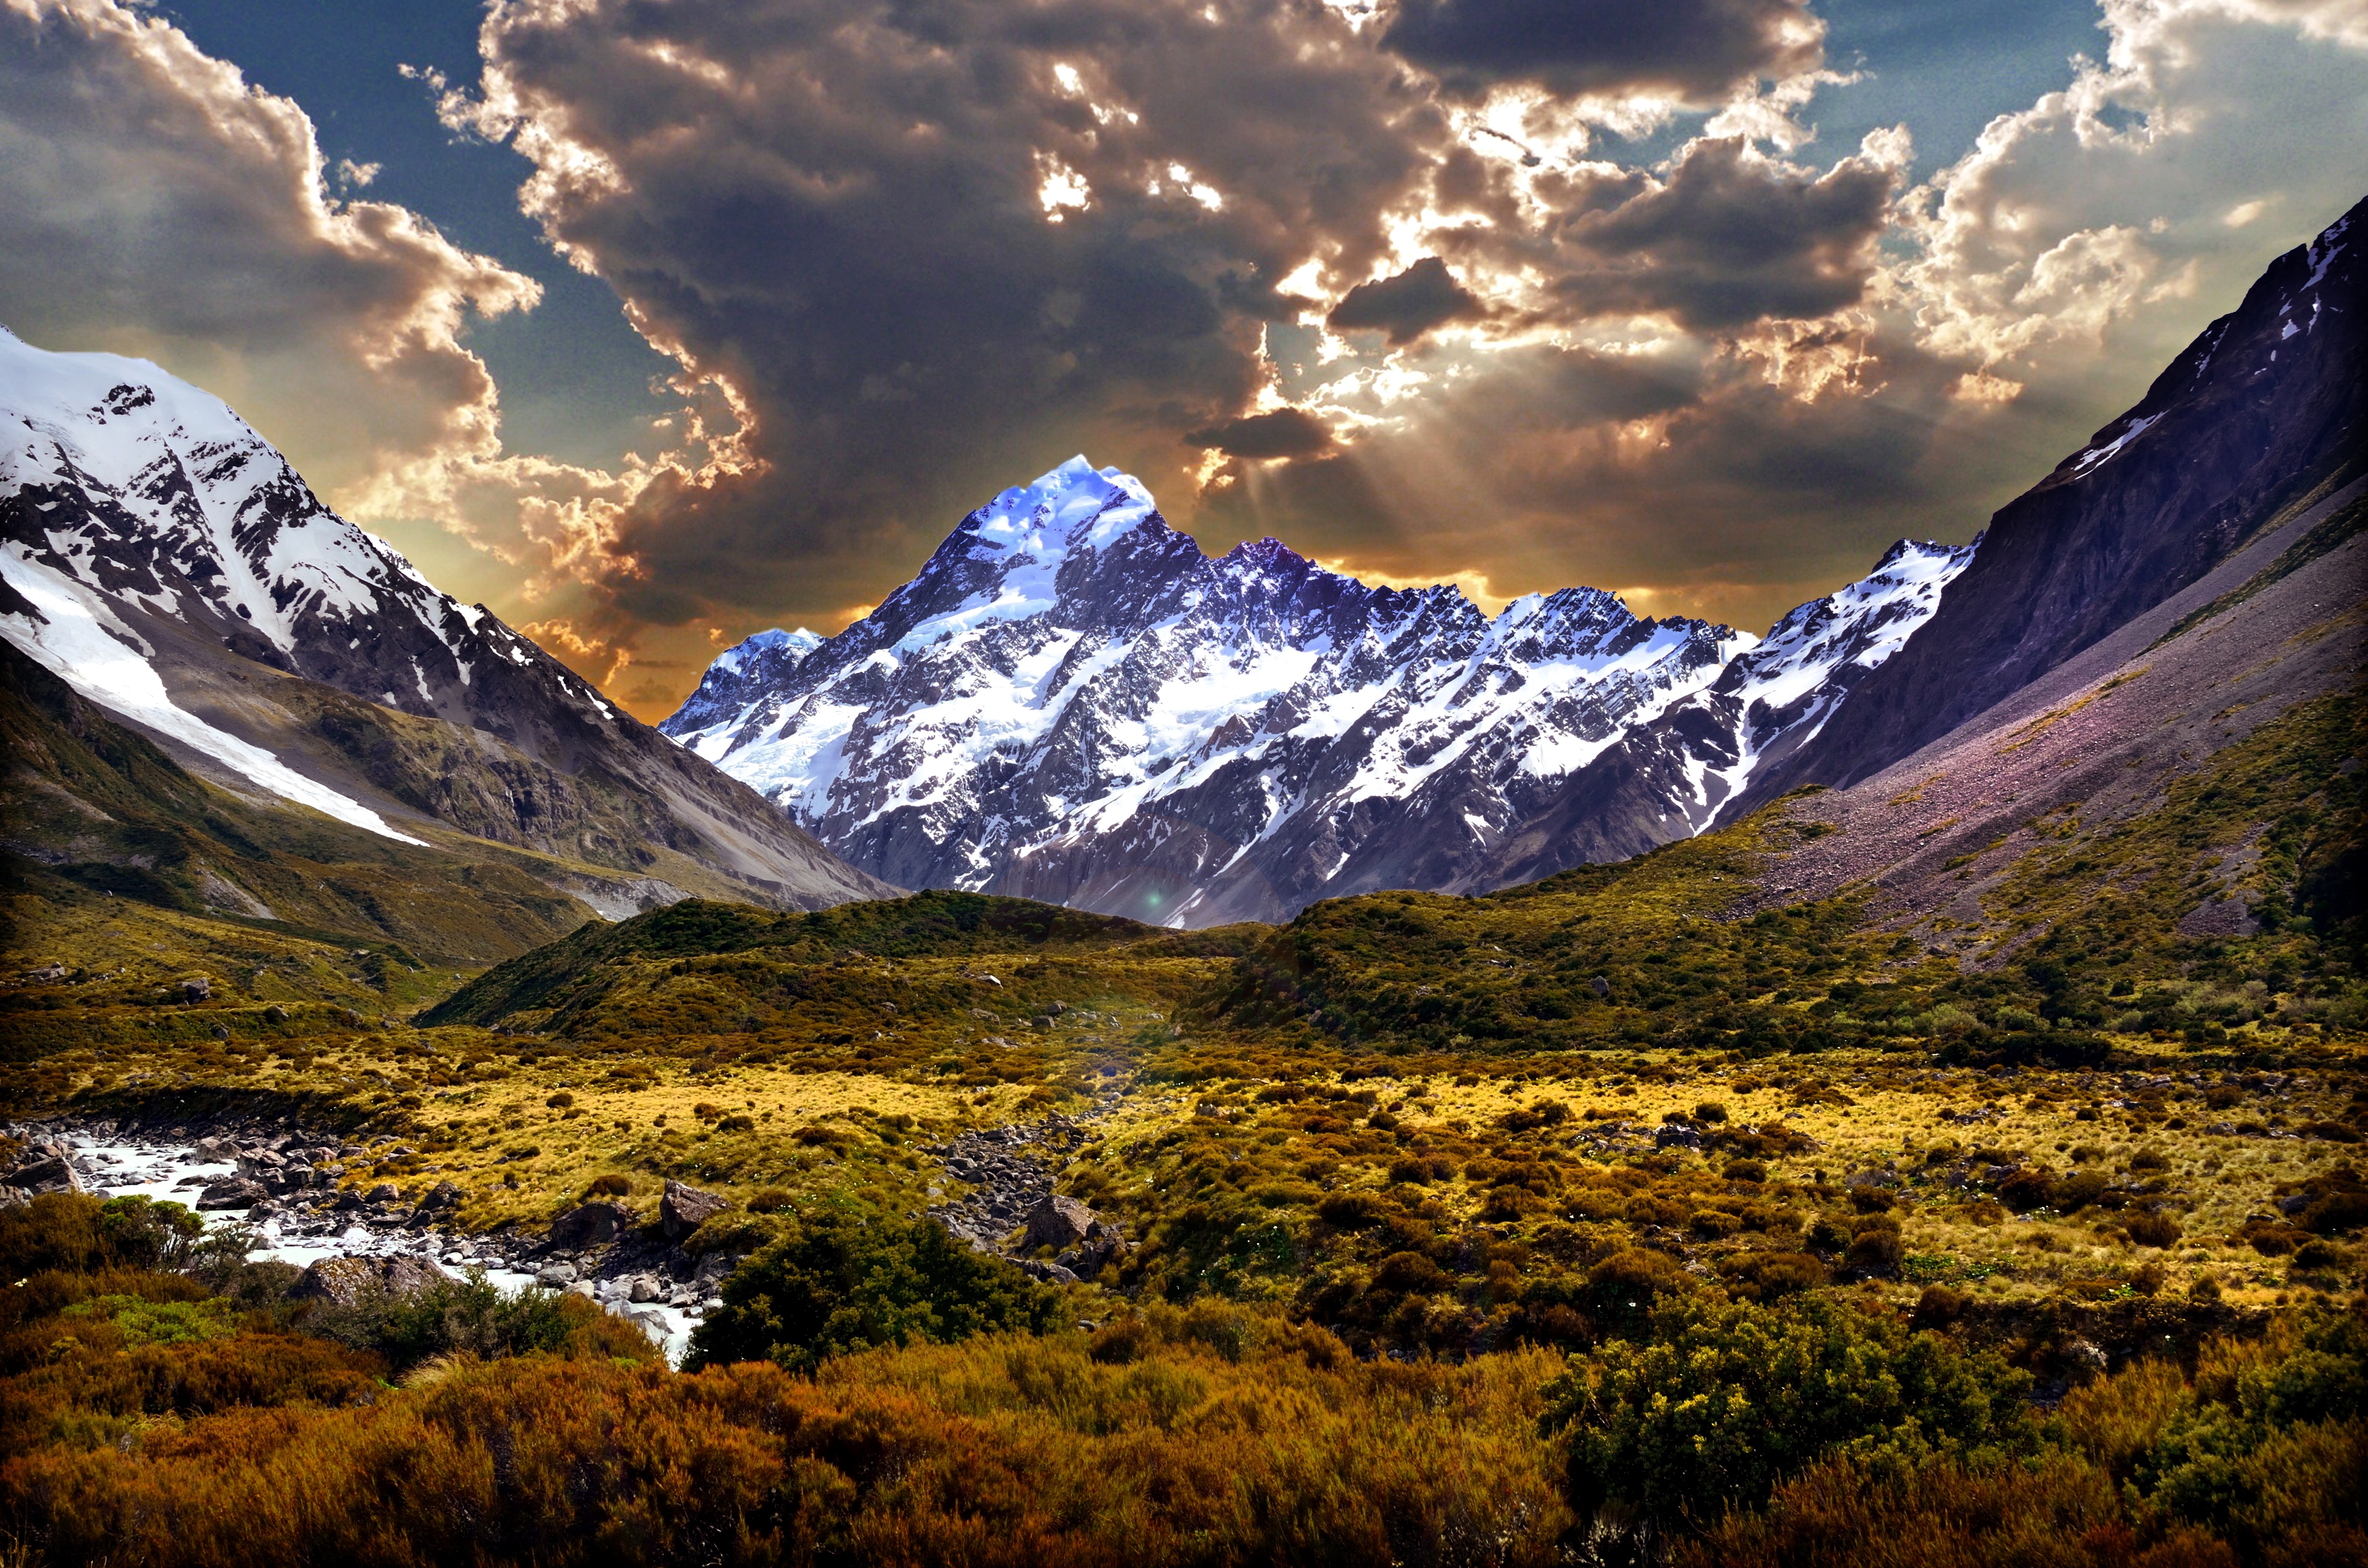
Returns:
point(650, 326)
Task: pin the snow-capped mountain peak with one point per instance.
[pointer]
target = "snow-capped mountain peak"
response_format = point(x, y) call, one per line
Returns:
point(1072, 701)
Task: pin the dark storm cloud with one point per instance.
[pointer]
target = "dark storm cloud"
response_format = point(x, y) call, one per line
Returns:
point(1278, 433)
point(1694, 50)
point(1408, 305)
point(1729, 238)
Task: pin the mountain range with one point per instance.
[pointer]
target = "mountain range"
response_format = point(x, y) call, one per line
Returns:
point(1069, 701)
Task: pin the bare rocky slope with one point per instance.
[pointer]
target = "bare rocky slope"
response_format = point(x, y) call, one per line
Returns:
point(2265, 410)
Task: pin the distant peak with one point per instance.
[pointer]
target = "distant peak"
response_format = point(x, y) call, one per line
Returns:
point(796, 644)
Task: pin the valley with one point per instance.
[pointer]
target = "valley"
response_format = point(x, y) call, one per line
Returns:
point(1942, 1122)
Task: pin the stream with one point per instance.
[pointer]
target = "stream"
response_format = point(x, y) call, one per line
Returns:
point(111, 1164)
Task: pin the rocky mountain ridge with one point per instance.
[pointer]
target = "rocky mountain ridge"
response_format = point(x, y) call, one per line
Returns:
point(2264, 411)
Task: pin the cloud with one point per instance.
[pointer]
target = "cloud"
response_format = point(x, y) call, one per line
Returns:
point(1408, 305)
point(1730, 236)
point(834, 216)
point(1696, 49)
point(1278, 433)
point(154, 203)
point(2106, 222)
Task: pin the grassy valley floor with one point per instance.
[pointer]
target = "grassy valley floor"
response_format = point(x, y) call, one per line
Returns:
point(1422, 1199)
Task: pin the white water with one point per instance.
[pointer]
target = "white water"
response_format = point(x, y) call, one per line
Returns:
point(112, 1167)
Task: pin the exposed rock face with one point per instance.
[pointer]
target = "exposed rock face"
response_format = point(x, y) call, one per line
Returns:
point(2263, 410)
point(165, 562)
point(684, 1209)
point(346, 1280)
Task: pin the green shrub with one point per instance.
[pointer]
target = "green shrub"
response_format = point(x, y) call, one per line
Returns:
point(839, 1283)
point(472, 1317)
point(2266, 1419)
point(1726, 1399)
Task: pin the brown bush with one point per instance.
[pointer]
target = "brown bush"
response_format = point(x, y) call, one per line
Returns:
point(609, 1186)
point(1939, 1307)
point(1769, 1276)
point(1352, 1210)
point(2026, 1188)
point(2152, 1229)
point(1410, 1272)
point(998, 1451)
point(1877, 1252)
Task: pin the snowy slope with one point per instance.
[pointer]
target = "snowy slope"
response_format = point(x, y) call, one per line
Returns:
point(155, 497)
point(1071, 701)
point(154, 552)
point(1693, 765)
point(1781, 693)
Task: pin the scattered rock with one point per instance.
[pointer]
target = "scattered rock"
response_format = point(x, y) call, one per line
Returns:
point(1671, 1136)
point(45, 1173)
point(684, 1209)
point(236, 1192)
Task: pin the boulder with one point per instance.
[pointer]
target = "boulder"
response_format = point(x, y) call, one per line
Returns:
point(556, 1276)
point(1050, 1273)
point(1672, 1136)
point(593, 1224)
point(237, 1192)
point(46, 1173)
point(442, 1196)
point(1057, 1222)
point(384, 1192)
point(346, 1280)
point(684, 1209)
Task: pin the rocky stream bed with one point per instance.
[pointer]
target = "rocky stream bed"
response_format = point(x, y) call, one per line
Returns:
point(290, 1187)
